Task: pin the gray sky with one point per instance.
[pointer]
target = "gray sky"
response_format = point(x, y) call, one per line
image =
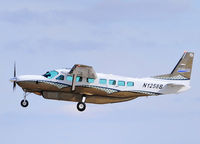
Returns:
point(136, 38)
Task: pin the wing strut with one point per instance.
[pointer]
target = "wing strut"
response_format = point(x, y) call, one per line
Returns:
point(74, 82)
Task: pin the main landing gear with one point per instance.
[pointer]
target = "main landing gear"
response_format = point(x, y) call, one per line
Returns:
point(24, 102)
point(81, 106)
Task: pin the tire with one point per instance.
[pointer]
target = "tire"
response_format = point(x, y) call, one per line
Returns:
point(81, 106)
point(24, 103)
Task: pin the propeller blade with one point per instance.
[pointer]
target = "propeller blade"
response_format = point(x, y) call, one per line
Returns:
point(15, 69)
point(14, 86)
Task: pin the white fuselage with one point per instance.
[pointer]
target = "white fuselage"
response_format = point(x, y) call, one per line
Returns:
point(151, 86)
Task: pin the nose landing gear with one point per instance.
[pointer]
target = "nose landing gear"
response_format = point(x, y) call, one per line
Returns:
point(24, 102)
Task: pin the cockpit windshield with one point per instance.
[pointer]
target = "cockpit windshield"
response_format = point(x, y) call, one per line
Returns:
point(50, 74)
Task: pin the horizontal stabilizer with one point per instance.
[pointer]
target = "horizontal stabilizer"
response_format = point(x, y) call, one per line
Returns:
point(173, 88)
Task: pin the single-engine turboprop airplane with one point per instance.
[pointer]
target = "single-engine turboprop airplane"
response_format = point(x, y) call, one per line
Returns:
point(81, 84)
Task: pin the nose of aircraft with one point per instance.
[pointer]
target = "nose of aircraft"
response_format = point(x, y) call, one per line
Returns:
point(14, 80)
point(27, 81)
point(29, 78)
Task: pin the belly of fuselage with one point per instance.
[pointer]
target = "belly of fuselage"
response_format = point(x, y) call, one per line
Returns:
point(89, 99)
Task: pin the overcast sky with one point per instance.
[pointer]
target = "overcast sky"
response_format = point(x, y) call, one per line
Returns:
point(135, 38)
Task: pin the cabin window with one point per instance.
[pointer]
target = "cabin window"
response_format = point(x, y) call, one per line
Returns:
point(90, 80)
point(61, 77)
point(69, 78)
point(130, 83)
point(112, 82)
point(103, 81)
point(50, 74)
point(79, 79)
point(121, 83)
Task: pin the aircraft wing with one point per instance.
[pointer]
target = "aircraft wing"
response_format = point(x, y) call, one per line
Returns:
point(172, 88)
point(82, 71)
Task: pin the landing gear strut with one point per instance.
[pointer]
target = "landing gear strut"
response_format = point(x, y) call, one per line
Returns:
point(81, 106)
point(24, 102)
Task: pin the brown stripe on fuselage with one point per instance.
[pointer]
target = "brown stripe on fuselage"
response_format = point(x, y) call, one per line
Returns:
point(94, 94)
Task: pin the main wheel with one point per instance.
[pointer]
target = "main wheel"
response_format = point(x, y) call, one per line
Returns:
point(81, 106)
point(24, 103)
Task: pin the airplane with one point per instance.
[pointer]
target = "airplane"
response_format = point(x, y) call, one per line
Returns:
point(83, 85)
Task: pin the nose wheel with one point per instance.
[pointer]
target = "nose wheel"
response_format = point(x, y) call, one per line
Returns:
point(81, 106)
point(24, 102)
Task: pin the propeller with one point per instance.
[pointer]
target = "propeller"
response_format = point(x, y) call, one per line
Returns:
point(14, 79)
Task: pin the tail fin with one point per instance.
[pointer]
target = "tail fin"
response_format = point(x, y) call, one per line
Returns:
point(183, 69)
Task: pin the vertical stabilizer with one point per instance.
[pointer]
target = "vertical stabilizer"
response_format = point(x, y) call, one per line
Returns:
point(183, 69)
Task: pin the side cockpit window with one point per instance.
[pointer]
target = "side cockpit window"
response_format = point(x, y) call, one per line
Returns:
point(50, 74)
point(61, 77)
